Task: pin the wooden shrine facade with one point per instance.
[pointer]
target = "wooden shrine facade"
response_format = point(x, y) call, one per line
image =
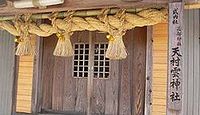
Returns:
point(124, 87)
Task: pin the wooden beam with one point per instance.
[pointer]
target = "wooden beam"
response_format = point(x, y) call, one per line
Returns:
point(192, 6)
point(82, 4)
point(149, 69)
point(81, 13)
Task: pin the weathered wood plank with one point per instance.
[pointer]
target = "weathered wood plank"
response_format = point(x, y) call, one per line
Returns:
point(58, 83)
point(80, 5)
point(99, 85)
point(139, 69)
point(125, 96)
point(191, 62)
point(112, 84)
point(98, 97)
point(69, 96)
point(81, 100)
point(196, 63)
point(81, 83)
point(174, 107)
point(47, 75)
point(37, 78)
point(7, 63)
point(149, 72)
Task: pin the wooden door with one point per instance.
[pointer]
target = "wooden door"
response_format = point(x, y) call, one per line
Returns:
point(120, 93)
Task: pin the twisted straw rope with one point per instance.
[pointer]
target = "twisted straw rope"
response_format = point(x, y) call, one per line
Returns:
point(142, 18)
point(116, 25)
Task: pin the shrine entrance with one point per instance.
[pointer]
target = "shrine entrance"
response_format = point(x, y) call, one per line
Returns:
point(90, 83)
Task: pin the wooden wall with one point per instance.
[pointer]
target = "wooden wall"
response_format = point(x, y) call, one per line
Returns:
point(192, 63)
point(24, 85)
point(159, 85)
point(191, 67)
point(122, 93)
point(191, 104)
point(6, 72)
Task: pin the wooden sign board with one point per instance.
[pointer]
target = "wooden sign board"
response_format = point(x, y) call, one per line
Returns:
point(175, 59)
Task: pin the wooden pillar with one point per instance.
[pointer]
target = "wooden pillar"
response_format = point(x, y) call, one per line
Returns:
point(175, 59)
point(37, 79)
point(149, 70)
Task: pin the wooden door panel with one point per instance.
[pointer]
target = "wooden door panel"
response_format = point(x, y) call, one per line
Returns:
point(75, 89)
point(58, 83)
point(139, 69)
point(112, 92)
point(121, 94)
point(99, 85)
point(47, 72)
point(126, 77)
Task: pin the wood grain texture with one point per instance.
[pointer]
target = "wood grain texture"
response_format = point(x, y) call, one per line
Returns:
point(192, 58)
point(126, 77)
point(47, 73)
point(70, 93)
point(58, 83)
point(25, 83)
point(149, 71)
point(159, 85)
point(122, 93)
point(7, 64)
point(99, 86)
point(81, 83)
point(112, 92)
point(139, 69)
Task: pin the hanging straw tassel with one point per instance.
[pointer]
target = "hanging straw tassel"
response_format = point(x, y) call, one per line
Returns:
point(25, 47)
point(116, 48)
point(64, 46)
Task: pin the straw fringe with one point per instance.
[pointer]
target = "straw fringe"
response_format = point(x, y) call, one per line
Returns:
point(25, 47)
point(116, 49)
point(64, 46)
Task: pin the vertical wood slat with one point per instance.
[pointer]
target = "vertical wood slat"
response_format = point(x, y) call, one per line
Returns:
point(106, 96)
point(126, 82)
point(112, 84)
point(171, 37)
point(159, 69)
point(69, 95)
point(149, 70)
point(47, 73)
point(176, 36)
point(37, 78)
point(81, 84)
point(90, 74)
point(192, 58)
point(6, 72)
point(58, 83)
point(196, 45)
point(24, 84)
point(99, 86)
point(190, 63)
point(139, 68)
point(186, 55)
